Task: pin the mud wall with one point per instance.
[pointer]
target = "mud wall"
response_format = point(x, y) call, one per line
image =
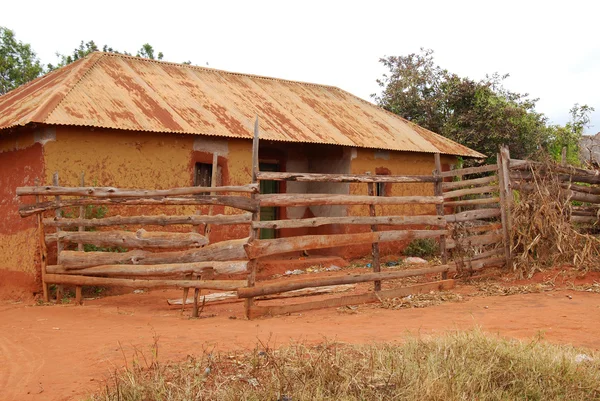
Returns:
point(21, 162)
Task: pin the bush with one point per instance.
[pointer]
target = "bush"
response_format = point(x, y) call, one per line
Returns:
point(422, 248)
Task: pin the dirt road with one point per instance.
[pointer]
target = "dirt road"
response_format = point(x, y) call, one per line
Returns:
point(65, 352)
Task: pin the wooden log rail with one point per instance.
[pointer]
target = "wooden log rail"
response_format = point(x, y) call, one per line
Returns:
point(144, 283)
point(261, 248)
point(312, 177)
point(471, 191)
point(333, 199)
point(220, 251)
point(469, 170)
point(239, 202)
point(111, 192)
point(469, 183)
point(226, 267)
point(279, 286)
point(477, 214)
point(138, 240)
point(158, 220)
point(353, 220)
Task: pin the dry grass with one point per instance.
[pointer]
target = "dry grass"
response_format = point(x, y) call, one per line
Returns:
point(542, 234)
point(459, 366)
point(420, 300)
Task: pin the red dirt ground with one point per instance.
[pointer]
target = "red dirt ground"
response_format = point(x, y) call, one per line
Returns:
point(65, 352)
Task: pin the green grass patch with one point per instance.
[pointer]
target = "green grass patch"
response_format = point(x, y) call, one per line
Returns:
point(459, 366)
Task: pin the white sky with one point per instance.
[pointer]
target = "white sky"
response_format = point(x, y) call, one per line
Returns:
point(550, 48)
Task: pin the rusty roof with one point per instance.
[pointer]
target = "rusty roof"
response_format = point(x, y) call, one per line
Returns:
point(122, 92)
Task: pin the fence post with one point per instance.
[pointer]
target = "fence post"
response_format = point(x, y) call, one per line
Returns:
point(438, 191)
point(43, 250)
point(505, 201)
point(254, 232)
point(80, 244)
point(59, 244)
point(375, 245)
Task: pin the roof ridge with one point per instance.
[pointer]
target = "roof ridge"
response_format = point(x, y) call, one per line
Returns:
point(199, 67)
point(55, 99)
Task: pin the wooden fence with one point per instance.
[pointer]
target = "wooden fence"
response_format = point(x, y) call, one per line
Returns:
point(469, 219)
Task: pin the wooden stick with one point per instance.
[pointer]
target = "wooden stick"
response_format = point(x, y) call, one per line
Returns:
point(43, 251)
point(220, 251)
point(503, 181)
point(110, 192)
point(254, 232)
point(476, 214)
point(305, 292)
point(468, 183)
point(470, 191)
point(470, 202)
point(438, 191)
point(59, 244)
point(335, 199)
point(375, 245)
point(262, 248)
point(231, 267)
point(160, 220)
point(353, 220)
point(469, 170)
point(139, 240)
point(239, 202)
point(141, 283)
point(314, 177)
point(277, 286)
point(78, 296)
point(371, 297)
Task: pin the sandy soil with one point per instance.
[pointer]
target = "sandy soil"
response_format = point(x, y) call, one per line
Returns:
point(65, 352)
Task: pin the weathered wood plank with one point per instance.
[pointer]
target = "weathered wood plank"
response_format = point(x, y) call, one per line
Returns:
point(334, 199)
point(305, 292)
point(261, 248)
point(139, 240)
point(141, 283)
point(278, 286)
point(470, 170)
point(231, 267)
point(239, 202)
point(468, 183)
point(314, 177)
point(471, 202)
point(111, 192)
point(356, 220)
point(371, 297)
point(470, 191)
point(159, 220)
point(477, 214)
point(220, 251)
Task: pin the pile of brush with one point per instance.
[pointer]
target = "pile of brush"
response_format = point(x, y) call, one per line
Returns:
point(543, 234)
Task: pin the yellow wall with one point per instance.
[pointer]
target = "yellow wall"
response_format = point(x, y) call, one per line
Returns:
point(398, 163)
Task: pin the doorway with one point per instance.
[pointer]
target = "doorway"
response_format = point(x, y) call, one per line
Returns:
point(269, 212)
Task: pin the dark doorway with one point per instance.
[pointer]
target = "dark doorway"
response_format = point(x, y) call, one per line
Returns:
point(269, 212)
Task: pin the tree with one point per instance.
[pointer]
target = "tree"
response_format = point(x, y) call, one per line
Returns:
point(569, 136)
point(85, 48)
point(18, 63)
point(147, 51)
point(479, 114)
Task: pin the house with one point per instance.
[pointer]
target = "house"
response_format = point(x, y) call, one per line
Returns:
point(133, 122)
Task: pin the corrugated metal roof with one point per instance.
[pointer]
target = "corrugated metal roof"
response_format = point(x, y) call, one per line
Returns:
point(122, 92)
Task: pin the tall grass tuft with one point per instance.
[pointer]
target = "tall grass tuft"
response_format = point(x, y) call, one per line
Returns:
point(458, 366)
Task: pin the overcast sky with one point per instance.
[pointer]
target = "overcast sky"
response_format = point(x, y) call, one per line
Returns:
point(550, 48)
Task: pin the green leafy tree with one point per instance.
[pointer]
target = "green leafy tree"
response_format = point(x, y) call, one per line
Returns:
point(569, 136)
point(18, 62)
point(147, 51)
point(479, 114)
point(85, 48)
